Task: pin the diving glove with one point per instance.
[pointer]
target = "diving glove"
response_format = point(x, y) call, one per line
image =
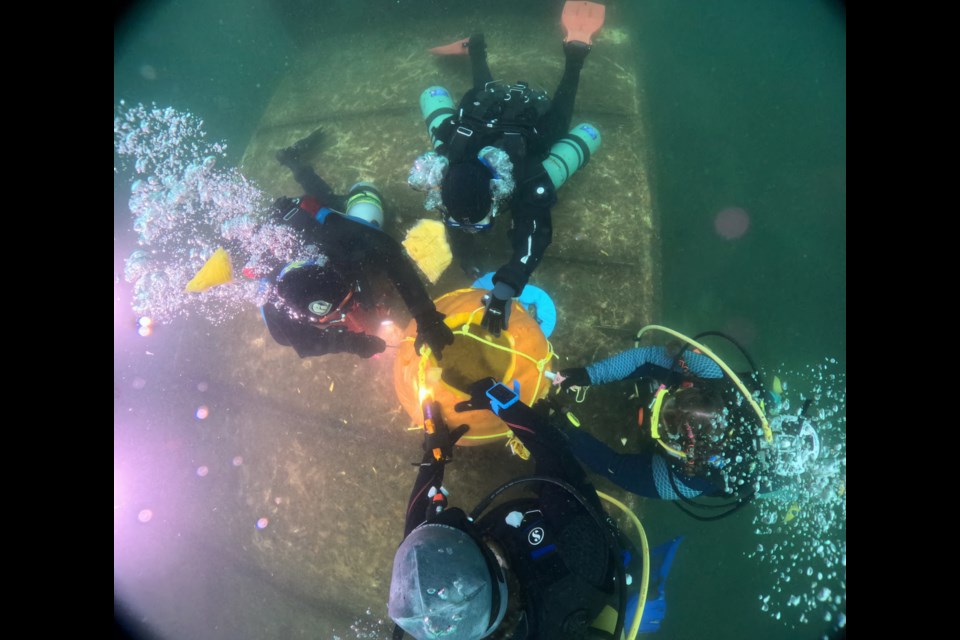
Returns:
point(478, 396)
point(432, 330)
point(438, 441)
point(573, 377)
point(363, 344)
point(496, 318)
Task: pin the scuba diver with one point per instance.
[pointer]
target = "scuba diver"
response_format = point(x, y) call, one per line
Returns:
point(540, 567)
point(324, 301)
point(505, 145)
point(711, 431)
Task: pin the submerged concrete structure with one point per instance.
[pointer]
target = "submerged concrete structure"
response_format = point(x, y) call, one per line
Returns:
point(326, 449)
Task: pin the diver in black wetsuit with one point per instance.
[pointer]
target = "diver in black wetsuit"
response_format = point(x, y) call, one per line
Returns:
point(540, 567)
point(325, 302)
point(491, 152)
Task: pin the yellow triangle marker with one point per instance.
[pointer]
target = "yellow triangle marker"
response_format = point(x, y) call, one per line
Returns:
point(216, 270)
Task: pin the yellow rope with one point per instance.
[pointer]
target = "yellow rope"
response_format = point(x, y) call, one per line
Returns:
point(514, 443)
point(517, 447)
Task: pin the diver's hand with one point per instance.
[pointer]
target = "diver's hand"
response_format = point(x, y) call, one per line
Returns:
point(363, 344)
point(478, 396)
point(438, 445)
point(572, 377)
point(434, 332)
point(496, 318)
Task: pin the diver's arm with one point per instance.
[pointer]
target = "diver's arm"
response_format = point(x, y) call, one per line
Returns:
point(309, 341)
point(383, 252)
point(430, 475)
point(530, 235)
point(650, 361)
point(549, 449)
point(306, 341)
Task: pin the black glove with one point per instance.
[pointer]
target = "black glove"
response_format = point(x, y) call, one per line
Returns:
point(573, 377)
point(478, 396)
point(497, 316)
point(438, 446)
point(432, 330)
point(364, 345)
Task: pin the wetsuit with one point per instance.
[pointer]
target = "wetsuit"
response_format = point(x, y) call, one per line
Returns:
point(357, 250)
point(531, 230)
point(556, 550)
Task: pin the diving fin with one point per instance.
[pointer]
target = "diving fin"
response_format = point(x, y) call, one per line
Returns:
point(458, 48)
point(661, 559)
point(215, 271)
point(581, 20)
point(303, 147)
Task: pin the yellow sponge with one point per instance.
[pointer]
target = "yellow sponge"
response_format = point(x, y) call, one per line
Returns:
point(216, 270)
point(426, 244)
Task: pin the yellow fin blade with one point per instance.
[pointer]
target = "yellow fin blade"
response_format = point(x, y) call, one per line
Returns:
point(216, 270)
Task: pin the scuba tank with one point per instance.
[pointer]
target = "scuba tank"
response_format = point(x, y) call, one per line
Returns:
point(436, 107)
point(364, 204)
point(571, 152)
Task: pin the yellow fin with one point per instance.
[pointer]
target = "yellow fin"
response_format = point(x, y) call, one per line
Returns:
point(777, 385)
point(426, 244)
point(216, 270)
point(792, 512)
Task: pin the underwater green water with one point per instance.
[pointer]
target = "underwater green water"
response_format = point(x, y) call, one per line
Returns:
point(746, 102)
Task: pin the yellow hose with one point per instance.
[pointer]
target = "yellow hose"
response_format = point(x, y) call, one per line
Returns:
point(645, 581)
point(767, 433)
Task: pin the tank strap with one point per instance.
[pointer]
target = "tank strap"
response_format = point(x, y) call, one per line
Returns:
point(464, 139)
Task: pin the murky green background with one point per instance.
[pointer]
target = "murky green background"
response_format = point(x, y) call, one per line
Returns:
point(745, 109)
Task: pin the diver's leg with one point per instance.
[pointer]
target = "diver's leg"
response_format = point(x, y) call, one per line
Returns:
point(556, 122)
point(292, 157)
point(312, 183)
point(478, 62)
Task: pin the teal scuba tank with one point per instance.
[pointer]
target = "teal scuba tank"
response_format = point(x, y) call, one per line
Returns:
point(570, 152)
point(436, 106)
